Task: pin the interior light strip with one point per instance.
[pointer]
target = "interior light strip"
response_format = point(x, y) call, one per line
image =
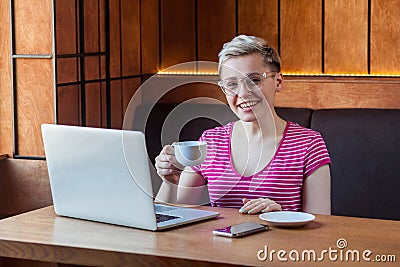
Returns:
point(213, 73)
point(187, 73)
point(342, 74)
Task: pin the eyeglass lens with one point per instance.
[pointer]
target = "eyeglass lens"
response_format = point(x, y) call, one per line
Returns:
point(252, 82)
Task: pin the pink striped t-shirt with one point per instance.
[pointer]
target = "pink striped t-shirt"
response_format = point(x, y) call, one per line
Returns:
point(300, 152)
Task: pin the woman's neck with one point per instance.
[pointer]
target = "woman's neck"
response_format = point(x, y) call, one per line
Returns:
point(264, 128)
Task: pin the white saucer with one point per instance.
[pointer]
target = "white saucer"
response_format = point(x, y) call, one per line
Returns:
point(287, 218)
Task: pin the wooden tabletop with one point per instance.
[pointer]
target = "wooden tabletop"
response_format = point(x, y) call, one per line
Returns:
point(42, 235)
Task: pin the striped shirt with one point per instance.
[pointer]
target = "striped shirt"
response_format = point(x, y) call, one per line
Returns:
point(301, 151)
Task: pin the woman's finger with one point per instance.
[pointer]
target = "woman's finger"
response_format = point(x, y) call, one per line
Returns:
point(272, 207)
point(251, 204)
point(166, 159)
point(259, 205)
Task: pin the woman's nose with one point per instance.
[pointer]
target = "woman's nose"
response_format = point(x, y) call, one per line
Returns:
point(242, 89)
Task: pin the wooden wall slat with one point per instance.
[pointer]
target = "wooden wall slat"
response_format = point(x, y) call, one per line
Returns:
point(150, 36)
point(92, 39)
point(116, 104)
point(103, 105)
point(67, 70)
point(92, 68)
point(177, 32)
point(129, 88)
point(102, 29)
point(5, 81)
point(301, 36)
point(91, 26)
point(216, 25)
point(68, 108)
point(346, 39)
point(102, 67)
point(93, 105)
point(33, 26)
point(115, 50)
point(259, 18)
point(130, 37)
point(65, 27)
point(385, 37)
point(35, 103)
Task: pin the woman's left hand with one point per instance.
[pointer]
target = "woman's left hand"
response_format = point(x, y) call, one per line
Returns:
point(255, 206)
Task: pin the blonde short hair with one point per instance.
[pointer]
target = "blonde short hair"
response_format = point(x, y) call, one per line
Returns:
point(244, 45)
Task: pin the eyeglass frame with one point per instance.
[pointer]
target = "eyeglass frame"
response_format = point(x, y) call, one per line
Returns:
point(263, 75)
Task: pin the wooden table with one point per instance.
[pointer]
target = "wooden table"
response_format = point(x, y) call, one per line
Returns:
point(41, 235)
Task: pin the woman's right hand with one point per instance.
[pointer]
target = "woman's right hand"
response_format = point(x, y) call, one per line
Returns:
point(167, 166)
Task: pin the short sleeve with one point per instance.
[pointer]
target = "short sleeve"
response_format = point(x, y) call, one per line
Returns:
point(316, 156)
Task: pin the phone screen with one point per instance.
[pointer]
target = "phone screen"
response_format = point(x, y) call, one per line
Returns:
point(241, 229)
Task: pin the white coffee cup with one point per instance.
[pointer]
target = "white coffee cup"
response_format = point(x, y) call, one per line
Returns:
point(190, 153)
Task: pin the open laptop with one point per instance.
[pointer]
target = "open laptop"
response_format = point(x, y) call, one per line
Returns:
point(103, 175)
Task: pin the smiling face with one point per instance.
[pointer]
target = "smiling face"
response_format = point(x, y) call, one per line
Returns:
point(251, 106)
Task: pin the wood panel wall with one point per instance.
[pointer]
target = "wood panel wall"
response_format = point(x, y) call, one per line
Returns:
point(211, 15)
point(34, 94)
point(260, 18)
point(6, 145)
point(350, 55)
point(301, 36)
point(125, 61)
point(178, 32)
point(385, 36)
point(312, 36)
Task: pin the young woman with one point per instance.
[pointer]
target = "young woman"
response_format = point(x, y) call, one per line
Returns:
point(261, 162)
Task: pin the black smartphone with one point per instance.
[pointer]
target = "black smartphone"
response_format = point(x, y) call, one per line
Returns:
point(241, 229)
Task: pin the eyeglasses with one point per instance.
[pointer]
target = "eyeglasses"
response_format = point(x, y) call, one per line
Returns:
point(253, 82)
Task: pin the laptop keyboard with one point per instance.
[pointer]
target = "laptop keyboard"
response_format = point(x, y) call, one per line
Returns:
point(164, 217)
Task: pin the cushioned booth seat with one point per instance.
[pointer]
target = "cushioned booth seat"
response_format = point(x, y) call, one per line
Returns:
point(364, 145)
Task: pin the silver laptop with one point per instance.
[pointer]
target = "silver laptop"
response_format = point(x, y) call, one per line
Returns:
point(103, 175)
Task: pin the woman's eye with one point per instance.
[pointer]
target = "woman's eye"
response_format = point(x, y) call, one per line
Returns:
point(231, 84)
point(255, 80)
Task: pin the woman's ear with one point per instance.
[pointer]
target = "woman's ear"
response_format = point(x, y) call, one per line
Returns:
point(279, 82)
